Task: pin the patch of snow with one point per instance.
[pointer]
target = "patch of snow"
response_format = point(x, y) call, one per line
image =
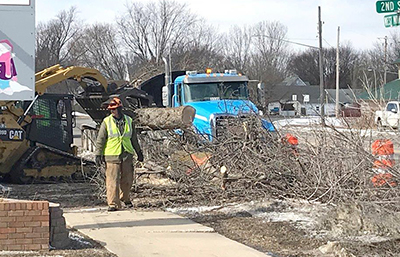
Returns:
point(19, 253)
point(299, 212)
point(309, 121)
point(80, 239)
point(192, 210)
point(283, 216)
point(10, 253)
point(313, 123)
point(85, 210)
point(368, 238)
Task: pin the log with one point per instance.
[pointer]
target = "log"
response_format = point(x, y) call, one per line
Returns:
point(165, 118)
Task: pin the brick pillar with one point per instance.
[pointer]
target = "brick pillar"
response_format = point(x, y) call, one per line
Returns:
point(59, 235)
point(24, 225)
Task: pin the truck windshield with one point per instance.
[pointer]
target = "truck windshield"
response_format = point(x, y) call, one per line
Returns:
point(215, 91)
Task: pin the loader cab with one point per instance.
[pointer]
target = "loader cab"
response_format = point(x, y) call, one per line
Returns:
point(52, 121)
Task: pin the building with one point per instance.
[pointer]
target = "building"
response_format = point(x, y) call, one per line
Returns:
point(295, 97)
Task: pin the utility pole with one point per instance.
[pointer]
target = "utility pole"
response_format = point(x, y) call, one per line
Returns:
point(321, 70)
point(337, 74)
point(384, 72)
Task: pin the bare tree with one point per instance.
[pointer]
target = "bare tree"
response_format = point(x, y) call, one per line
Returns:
point(202, 49)
point(305, 65)
point(150, 30)
point(270, 45)
point(270, 54)
point(238, 44)
point(370, 71)
point(99, 48)
point(348, 61)
point(54, 39)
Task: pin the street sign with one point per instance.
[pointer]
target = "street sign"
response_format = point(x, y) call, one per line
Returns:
point(387, 6)
point(391, 20)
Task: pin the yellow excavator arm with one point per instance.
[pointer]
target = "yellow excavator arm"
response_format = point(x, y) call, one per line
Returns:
point(57, 73)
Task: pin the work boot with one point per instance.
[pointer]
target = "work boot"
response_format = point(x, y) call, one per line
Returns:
point(111, 208)
point(128, 204)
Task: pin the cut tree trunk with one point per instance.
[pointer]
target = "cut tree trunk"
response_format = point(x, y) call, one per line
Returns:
point(165, 118)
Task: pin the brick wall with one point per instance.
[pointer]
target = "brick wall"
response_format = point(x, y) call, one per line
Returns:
point(24, 225)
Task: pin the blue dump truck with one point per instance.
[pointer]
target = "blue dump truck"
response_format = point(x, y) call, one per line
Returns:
point(221, 100)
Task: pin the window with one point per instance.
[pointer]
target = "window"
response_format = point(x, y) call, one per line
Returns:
point(215, 91)
point(391, 106)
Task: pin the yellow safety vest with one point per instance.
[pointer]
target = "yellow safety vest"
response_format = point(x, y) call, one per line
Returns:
point(115, 140)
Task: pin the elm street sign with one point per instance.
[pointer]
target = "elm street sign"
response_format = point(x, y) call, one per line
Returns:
point(387, 6)
point(391, 20)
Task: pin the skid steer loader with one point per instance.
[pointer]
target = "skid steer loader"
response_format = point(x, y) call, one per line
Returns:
point(36, 136)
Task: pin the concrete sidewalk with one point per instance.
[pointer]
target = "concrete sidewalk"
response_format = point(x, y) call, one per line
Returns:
point(134, 234)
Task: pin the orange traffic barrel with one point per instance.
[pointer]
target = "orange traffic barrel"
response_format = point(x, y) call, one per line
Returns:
point(381, 179)
point(384, 163)
point(382, 147)
point(383, 151)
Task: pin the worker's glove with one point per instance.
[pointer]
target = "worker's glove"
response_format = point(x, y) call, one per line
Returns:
point(140, 157)
point(99, 160)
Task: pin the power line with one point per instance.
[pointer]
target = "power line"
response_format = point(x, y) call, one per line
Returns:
point(327, 42)
point(287, 41)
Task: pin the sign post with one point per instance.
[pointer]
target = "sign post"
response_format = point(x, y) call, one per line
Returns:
point(17, 49)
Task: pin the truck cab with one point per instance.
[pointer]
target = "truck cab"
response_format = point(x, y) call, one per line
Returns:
point(221, 101)
point(390, 117)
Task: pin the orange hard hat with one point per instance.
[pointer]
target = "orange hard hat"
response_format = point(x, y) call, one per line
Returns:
point(114, 103)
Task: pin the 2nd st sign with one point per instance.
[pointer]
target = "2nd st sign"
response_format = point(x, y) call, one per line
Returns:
point(387, 6)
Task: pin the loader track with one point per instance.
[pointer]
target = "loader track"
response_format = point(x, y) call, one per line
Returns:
point(41, 164)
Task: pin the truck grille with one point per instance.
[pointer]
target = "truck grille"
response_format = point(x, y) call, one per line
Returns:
point(233, 126)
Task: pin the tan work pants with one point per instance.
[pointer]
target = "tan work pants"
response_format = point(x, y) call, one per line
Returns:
point(119, 179)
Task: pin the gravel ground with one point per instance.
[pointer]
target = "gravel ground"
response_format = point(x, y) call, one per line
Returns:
point(279, 227)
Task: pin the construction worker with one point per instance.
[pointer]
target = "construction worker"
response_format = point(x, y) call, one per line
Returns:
point(115, 144)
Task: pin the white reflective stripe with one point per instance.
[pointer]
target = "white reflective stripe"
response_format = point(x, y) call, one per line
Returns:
point(110, 131)
point(200, 117)
point(109, 122)
point(128, 122)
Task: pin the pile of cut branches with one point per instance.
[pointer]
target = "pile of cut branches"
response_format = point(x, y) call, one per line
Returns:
point(328, 165)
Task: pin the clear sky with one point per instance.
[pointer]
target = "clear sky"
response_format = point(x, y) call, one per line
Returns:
point(359, 22)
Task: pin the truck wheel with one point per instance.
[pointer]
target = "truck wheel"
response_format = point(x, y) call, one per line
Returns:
point(379, 125)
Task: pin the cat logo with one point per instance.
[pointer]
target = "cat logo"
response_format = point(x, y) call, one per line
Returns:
point(16, 134)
